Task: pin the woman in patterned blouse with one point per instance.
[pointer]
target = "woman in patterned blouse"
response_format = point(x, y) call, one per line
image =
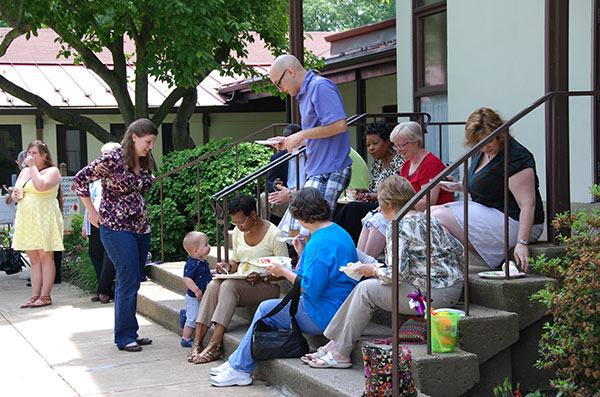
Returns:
point(123, 220)
point(446, 275)
point(386, 162)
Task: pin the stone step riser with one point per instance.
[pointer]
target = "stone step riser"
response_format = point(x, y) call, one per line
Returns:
point(293, 373)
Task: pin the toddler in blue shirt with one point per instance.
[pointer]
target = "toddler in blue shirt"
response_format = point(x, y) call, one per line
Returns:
point(196, 276)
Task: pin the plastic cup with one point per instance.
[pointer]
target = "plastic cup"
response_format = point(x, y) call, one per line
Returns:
point(444, 328)
point(19, 192)
point(351, 194)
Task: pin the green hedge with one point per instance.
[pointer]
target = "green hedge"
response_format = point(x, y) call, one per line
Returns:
point(179, 191)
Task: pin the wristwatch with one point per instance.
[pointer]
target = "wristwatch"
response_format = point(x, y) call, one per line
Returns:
point(266, 278)
point(290, 193)
point(521, 241)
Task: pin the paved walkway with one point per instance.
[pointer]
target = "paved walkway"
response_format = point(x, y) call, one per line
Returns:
point(67, 350)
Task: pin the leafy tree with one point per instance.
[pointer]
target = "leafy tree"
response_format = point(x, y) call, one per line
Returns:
point(339, 15)
point(177, 42)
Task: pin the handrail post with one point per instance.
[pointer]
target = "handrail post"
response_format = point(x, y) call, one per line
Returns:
point(237, 164)
point(395, 234)
point(506, 193)
point(162, 224)
point(466, 235)
point(428, 310)
point(226, 227)
point(198, 193)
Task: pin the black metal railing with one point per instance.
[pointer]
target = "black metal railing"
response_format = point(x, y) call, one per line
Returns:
point(218, 201)
point(426, 192)
point(271, 128)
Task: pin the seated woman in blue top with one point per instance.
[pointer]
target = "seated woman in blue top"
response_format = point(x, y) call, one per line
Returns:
point(324, 287)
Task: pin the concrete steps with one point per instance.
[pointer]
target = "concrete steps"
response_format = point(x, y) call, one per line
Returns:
point(162, 305)
point(490, 340)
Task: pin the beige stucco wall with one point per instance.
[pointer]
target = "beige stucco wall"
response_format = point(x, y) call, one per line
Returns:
point(496, 59)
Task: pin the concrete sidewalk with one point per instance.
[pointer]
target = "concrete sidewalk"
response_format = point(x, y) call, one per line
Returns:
point(67, 349)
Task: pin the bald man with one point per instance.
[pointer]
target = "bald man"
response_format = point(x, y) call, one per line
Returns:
point(324, 133)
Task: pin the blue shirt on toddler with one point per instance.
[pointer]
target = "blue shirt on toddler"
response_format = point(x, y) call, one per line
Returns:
point(199, 271)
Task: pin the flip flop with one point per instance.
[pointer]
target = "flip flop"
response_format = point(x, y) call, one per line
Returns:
point(310, 356)
point(330, 362)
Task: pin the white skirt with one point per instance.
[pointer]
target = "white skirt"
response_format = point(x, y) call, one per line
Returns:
point(486, 230)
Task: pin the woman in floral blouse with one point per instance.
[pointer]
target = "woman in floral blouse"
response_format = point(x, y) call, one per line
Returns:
point(123, 220)
point(386, 162)
point(446, 275)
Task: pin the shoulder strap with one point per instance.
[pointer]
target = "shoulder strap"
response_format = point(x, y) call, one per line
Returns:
point(293, 295)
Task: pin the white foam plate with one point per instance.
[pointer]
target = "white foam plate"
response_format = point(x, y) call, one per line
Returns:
point(499, 274)
point(265, 142)
point(270, 260)
point(229, 276)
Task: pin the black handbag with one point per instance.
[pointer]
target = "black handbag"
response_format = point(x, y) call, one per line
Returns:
point(268, 343)
point(11, 261)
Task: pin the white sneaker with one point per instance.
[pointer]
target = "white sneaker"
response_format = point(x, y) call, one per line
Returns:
point(231, 377)
point(217, 370)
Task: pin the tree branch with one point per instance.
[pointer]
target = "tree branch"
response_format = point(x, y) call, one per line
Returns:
point(116, 82)
point(181, 137)
point(9, 38)
point(164, 108)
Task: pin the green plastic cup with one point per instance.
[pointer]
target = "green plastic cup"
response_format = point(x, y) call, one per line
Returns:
point(444, 328)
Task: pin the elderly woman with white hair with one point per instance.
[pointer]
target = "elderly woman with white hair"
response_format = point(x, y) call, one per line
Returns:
point(419, 167)
point(103, 267)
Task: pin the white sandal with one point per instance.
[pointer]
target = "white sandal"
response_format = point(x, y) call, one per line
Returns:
point(310, 356)
point(330, 362)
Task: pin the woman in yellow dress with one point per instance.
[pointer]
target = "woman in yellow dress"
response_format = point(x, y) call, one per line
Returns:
point(38, 220)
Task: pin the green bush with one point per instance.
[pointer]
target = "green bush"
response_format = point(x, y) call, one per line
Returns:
point(180, 209)
point(77, 265)
point(571, 344)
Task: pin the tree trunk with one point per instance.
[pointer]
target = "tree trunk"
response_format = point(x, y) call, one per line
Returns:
point(181, 137)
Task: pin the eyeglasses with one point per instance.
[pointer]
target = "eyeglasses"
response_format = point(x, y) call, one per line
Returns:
point(281, 78)
point(241, 224)
point(398, 148)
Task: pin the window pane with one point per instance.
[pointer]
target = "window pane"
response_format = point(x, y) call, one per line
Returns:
point(437, 107)
point(423, 3)
point(73, 144)
point(434, 49)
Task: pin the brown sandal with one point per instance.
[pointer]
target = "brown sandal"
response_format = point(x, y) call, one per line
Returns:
point(29, 302)
point(211, 353)
point(42, 301)
point(197, 348)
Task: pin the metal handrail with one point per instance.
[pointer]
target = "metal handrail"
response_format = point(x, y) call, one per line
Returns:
point(221, 210)
point(196, 163)
point(426, 192)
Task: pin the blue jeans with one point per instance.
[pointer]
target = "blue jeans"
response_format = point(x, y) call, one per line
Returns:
point(241, 359)
point(128, 251)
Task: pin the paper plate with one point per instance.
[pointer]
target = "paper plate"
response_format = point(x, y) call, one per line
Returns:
point(499, 274)
point(265, 142)
point(229, 276)
point(270, 260)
